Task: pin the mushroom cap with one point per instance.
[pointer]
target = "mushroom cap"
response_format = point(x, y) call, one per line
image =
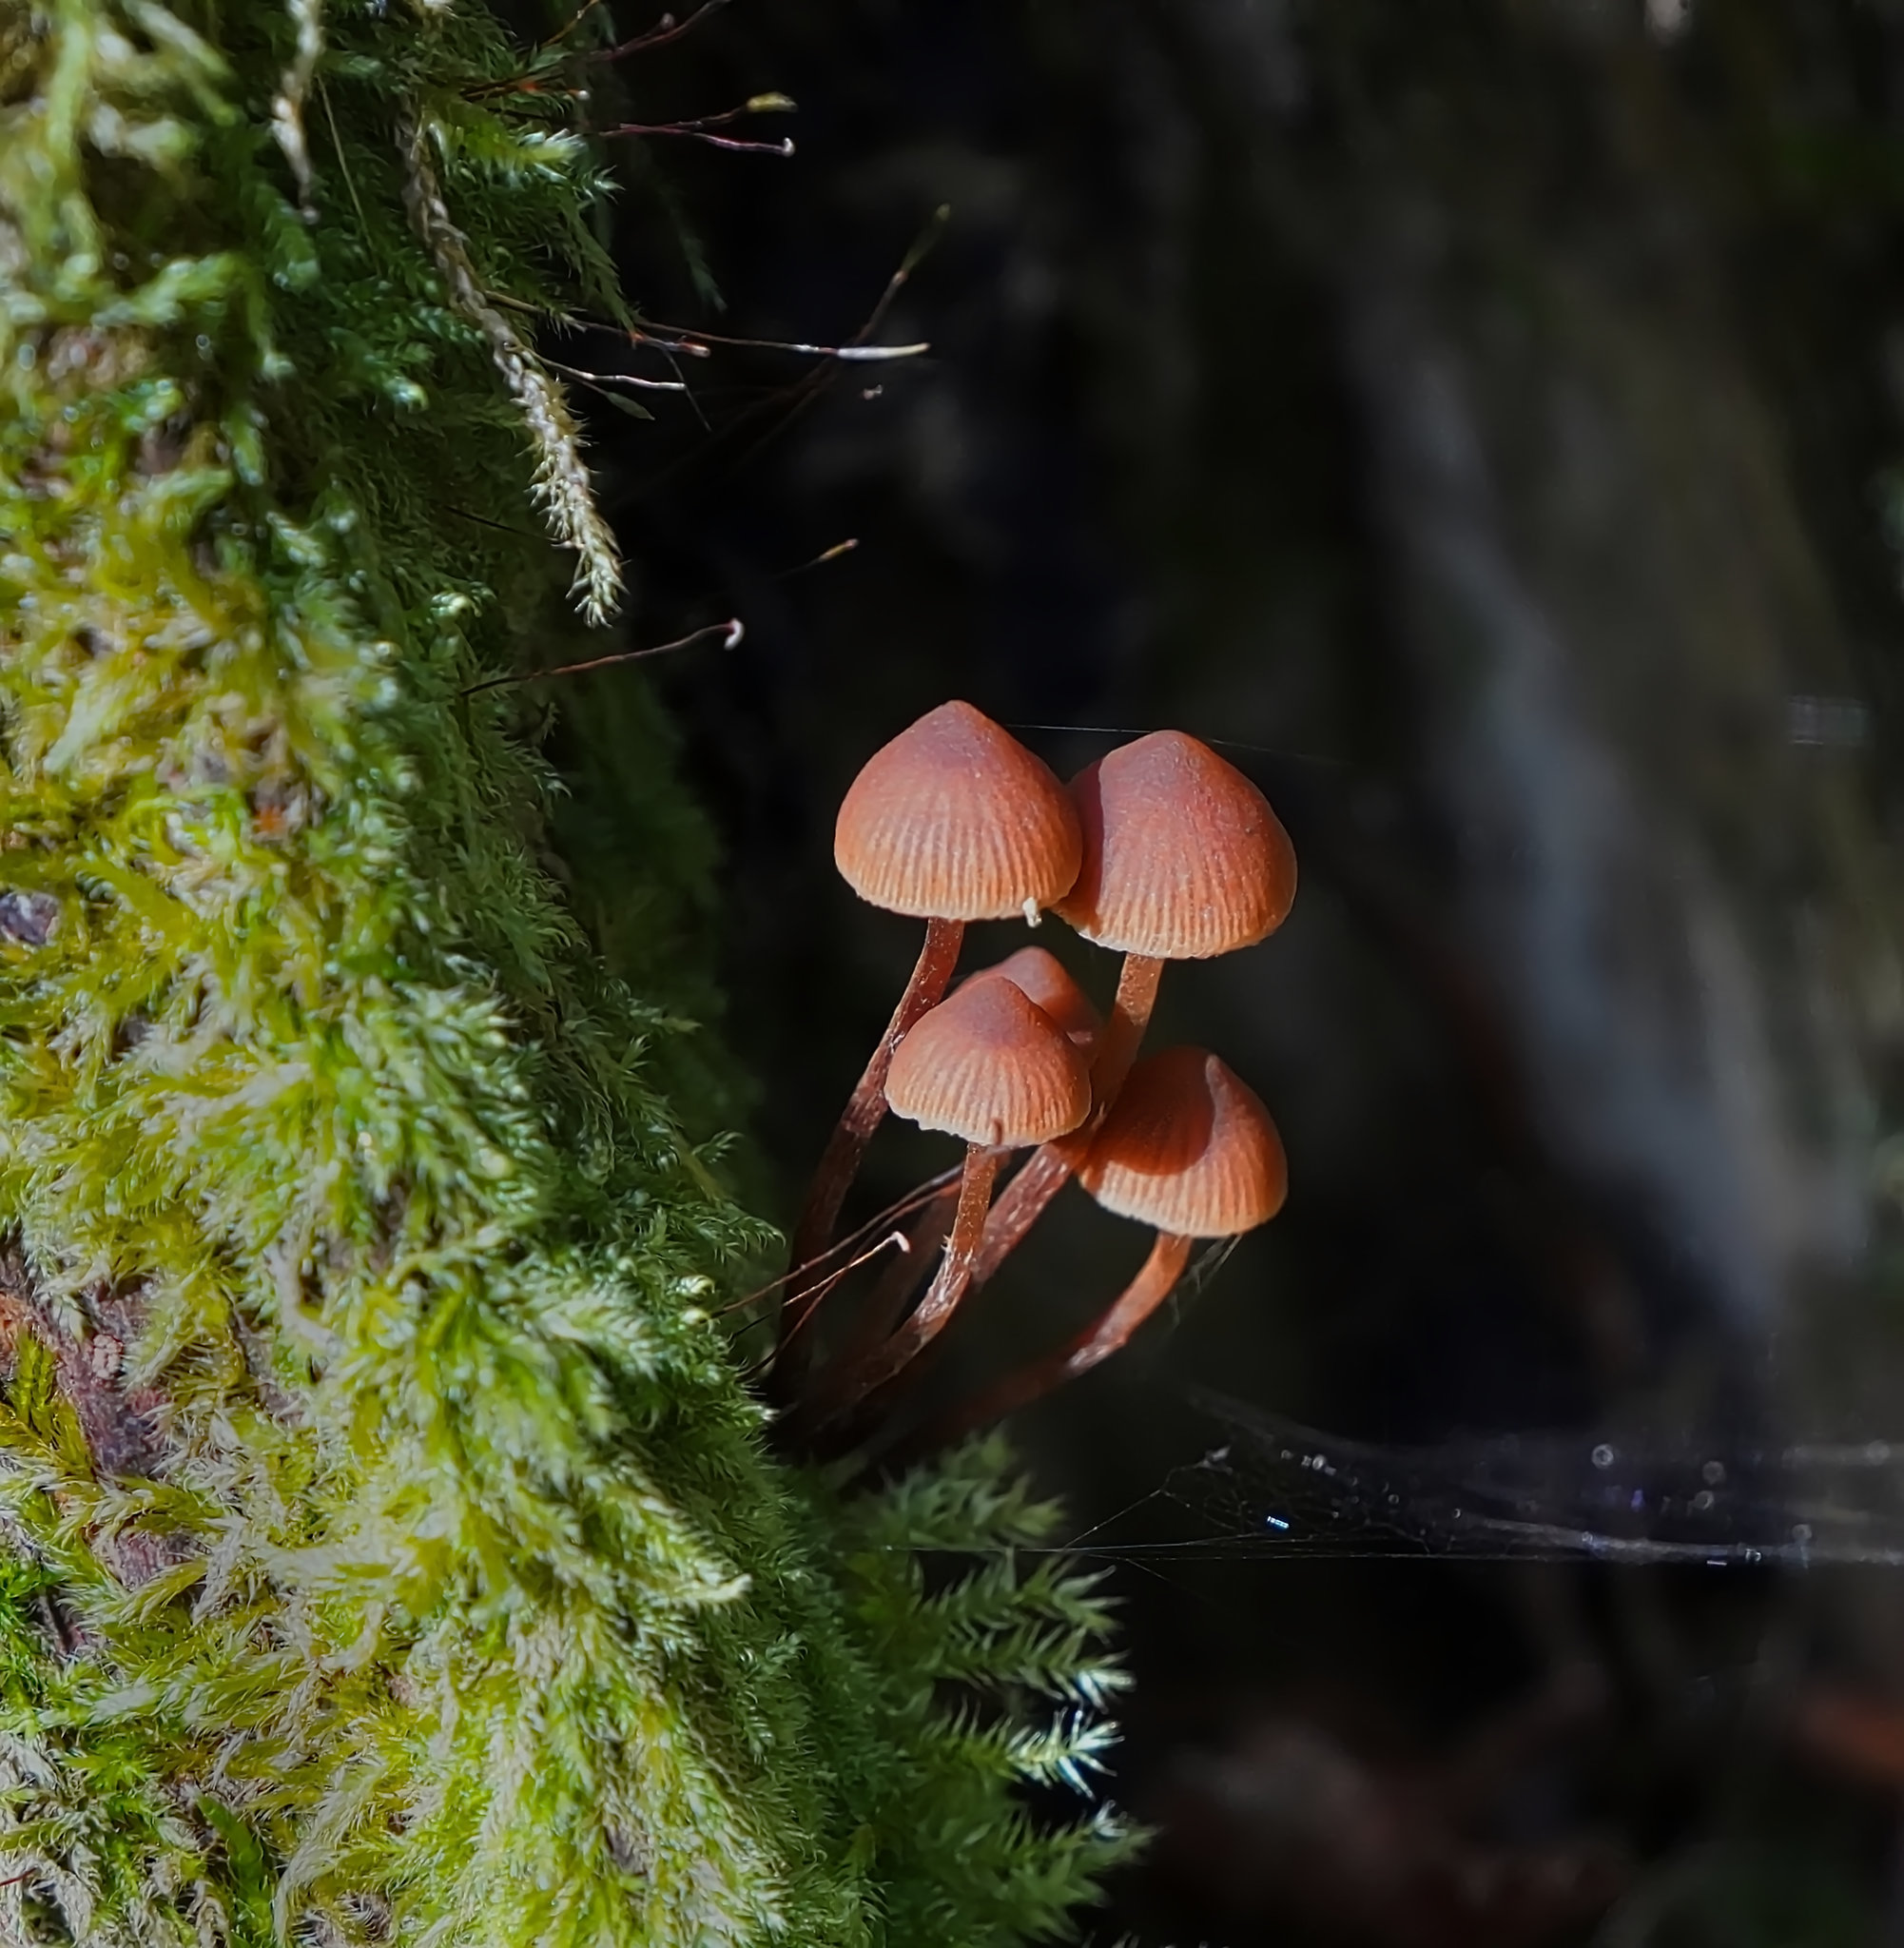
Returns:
point(1183, 857)
point(1041, 977)
point(1189, 1148)
point(956, 819)
point(990, 1066)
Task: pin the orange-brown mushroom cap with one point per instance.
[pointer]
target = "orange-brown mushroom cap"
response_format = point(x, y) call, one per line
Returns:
point(1189, 1148)
point(956, 819)
point(1043, 979)
point(1183, 857)
point(989, 1065)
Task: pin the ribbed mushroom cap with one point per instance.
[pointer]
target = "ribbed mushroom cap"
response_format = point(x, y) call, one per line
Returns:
point(990, 1066)
point(1189, 1148)
point(1183, 857)
point(956, 819)
point(1040, 976)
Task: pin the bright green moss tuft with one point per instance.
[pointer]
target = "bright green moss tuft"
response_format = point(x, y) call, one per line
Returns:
point(393, 1552)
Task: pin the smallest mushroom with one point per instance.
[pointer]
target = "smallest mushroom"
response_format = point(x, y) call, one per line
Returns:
point(990, 1066)
point(1041, 977)
point(1189, 1148)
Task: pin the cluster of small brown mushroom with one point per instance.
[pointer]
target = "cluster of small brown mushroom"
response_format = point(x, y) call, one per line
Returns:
point(1160, 851)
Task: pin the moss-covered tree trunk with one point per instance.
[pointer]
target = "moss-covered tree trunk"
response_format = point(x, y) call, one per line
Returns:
point(390, 1550)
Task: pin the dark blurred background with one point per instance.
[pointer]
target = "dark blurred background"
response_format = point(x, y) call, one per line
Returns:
point(1481, 415)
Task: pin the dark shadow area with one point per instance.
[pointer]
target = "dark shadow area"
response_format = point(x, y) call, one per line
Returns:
point(1478, 421)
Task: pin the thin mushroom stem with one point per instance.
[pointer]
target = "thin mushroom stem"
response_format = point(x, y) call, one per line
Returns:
point(865, 1108)
point(1123, 1033)
point(929, 1318)
point(1111, 1330)
point(898, 1285)
point(886, 1302)
point(879, 1223)
point(1023, 1202)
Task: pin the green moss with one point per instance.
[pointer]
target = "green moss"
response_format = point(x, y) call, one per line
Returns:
point(394, 1550)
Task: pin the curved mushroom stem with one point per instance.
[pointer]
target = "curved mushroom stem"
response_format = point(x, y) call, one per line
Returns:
point(1111, 1330)
point(1023, 1202)
point(929, 1318)
point(864, 1111)
point(1124, 1034)
point(1024, 1199)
